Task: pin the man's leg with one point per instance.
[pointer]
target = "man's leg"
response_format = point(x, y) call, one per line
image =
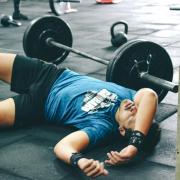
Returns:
point(7, 113)
point(31, 79)
point(7, 107)
point(6, 64)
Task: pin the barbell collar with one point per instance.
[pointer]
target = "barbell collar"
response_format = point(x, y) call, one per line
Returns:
point(52, 42)
point(170, 86)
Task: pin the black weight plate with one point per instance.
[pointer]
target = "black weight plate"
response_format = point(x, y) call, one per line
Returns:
point(120, 70)
point(34, 40)
point(110, 69)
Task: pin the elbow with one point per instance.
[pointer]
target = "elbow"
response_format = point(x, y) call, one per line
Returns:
point(57, 149)
point(151, 94)
point(61, 152)
point(62, 149)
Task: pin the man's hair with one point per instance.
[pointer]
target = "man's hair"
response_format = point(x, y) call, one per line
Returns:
point(152, 138)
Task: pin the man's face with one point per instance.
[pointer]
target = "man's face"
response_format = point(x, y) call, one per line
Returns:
point(126, 115)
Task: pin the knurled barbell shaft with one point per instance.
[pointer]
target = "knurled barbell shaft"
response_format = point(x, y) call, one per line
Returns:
point(170, 86)
point(52, 42)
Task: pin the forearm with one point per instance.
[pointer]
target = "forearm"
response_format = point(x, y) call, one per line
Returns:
point(64, 152)
point(146, 102)
point(75, 142)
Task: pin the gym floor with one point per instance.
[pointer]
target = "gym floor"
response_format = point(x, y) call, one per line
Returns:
point(28, 153)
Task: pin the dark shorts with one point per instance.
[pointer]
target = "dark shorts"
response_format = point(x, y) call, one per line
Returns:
point(32, 79)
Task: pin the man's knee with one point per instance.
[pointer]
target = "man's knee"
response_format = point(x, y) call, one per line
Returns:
point(6, 65)
point(7, 113)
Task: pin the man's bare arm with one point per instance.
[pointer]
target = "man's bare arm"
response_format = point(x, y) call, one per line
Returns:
point(146, 101)
point(76, 142)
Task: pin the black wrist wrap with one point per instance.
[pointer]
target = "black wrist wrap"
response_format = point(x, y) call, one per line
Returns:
point(137, 139)
point(75, 158)
point(128, 133)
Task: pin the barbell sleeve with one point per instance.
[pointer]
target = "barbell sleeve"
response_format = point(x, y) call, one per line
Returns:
point(52, 42)
point(170, 86)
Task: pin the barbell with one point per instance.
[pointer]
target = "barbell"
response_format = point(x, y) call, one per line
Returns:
point(136, 64)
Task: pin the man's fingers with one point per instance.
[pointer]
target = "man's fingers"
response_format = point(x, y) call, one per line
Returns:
point(90, 167)
point(103, 172)
point(129, 105)
point(122, 157)
point(88, 164)
point(109, 162)
point(98, 169)
point(116, 158)
point(133, 109)
point(94, 168)
point(110, 156)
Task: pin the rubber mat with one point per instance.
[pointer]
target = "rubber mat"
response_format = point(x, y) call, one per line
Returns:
point(28, 154)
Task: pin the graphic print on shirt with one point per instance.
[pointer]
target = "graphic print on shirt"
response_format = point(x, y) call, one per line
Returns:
point(97, 100)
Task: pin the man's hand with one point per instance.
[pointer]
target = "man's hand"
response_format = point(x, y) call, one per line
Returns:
point(122, 157)
point(92, 168)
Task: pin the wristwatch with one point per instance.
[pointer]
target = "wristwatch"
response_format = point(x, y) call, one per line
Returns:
point(75, 157)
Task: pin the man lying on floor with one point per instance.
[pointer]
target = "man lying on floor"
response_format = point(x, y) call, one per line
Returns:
point(97, 108)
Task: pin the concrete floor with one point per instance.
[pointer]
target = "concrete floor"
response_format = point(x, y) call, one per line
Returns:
point(27, 153)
